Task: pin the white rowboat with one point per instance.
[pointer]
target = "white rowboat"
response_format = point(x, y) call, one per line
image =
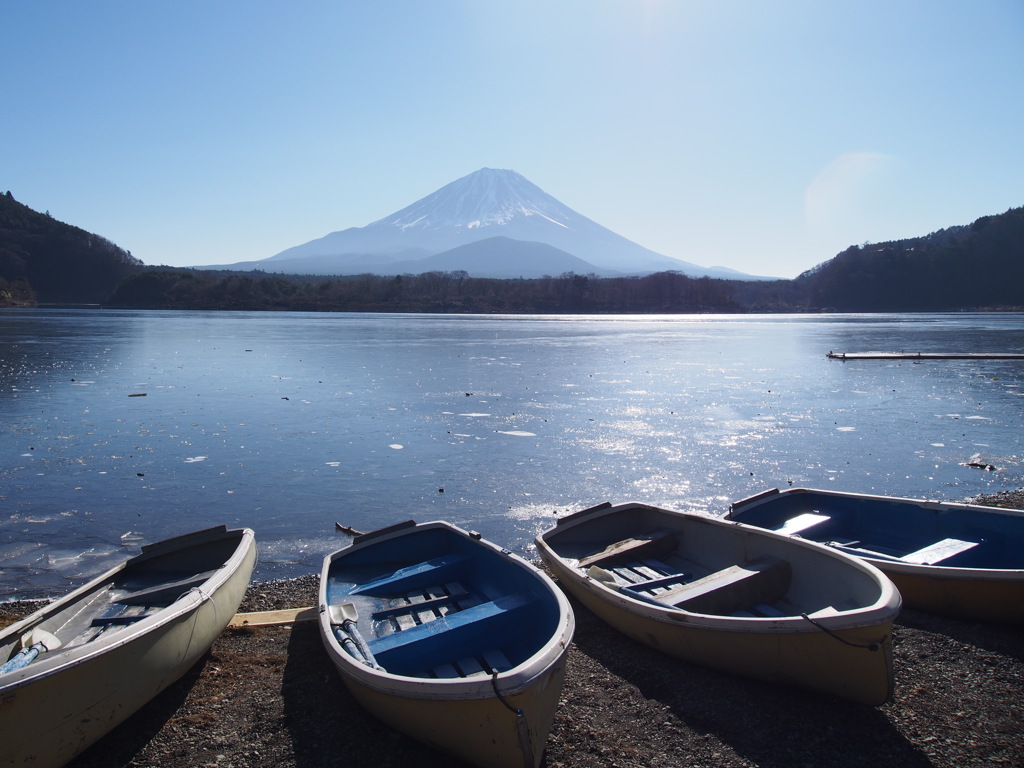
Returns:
point(81, 665)
point(730, 596)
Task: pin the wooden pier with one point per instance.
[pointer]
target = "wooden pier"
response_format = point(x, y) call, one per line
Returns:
point(925, 355)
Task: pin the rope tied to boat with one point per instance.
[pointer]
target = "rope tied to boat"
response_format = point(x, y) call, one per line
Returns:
point(502, 699)
point(522, 726)
point(203, 597)
point(870, 646)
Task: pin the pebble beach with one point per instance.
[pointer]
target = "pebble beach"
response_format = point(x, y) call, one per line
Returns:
point(269, 696)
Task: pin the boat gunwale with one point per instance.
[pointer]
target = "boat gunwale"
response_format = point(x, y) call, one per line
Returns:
point(884, 609)
point(59, 660)
point(921, 502)
point(513, 681)
point(933, 571)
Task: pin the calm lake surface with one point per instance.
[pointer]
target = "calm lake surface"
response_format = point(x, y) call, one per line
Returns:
point(122, 427)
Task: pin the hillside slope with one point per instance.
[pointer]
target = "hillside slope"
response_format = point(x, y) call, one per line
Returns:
point(61, 263)
point(980, 265)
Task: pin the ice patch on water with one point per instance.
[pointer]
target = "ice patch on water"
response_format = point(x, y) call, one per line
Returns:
point(333, 463)
point(517, 433)
point(297, 550)
point(474, 415)
point(396, 446)
point(195, 459)
point(846, 429)
point(21, 555)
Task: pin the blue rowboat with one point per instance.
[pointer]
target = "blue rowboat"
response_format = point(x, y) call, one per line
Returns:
point(448, 638)
point(82, 664)
point(965, 561)
point(731, 597)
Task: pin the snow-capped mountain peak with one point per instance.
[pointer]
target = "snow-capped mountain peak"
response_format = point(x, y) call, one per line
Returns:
point(498, 206)
point(485, 198)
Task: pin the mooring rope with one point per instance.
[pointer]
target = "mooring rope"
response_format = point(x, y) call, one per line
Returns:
point(502, 699)
point(830, 633)
point(202, 598)
point(522, 727)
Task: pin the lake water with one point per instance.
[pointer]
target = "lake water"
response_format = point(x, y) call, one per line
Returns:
point(124, 427)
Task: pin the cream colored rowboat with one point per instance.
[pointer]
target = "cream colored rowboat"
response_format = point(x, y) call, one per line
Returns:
point(81, 665)
point(731, 596)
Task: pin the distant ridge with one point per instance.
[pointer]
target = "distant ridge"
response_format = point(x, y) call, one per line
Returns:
point(502, 257)
point(499, 208)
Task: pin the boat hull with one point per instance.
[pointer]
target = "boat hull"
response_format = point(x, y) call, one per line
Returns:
point(51, 713)
point(479, 729)
point(981, 580)
point(497, 718)
point(810, 660)
point(845, 653)
point(988, 598)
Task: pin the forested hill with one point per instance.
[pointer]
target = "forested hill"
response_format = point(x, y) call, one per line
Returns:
point(47, 260)
point(980, 265)
point(976, 266)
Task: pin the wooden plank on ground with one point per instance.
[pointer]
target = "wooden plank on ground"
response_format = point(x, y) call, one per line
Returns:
point(273, 618)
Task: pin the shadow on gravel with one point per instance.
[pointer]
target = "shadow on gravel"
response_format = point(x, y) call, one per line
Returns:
point(122, 744)
point(769, 725)
point(326, 724)
point(1004, 640)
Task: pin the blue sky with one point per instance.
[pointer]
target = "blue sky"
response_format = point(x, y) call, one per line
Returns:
point(761, 136)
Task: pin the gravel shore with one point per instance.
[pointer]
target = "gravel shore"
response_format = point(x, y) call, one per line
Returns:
point(268, 696)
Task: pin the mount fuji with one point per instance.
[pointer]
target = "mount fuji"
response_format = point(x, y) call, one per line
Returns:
point(491, 223)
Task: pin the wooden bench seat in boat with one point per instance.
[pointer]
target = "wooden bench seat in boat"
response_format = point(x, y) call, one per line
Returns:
point(939, 551)
point(651, 544)
point(672, 579)
point(165, 592)
point(473, 666)
point(801, 523)
point(108, 621)
point(438, 570)
point(732, 589)
point(446, 638)
point(929, 555)
point(113, 618)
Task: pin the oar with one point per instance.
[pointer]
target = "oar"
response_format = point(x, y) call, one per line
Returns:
point(350, 647)
point(346, 615)
point(32, 644)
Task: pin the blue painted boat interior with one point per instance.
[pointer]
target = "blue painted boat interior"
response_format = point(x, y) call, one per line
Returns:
point(433, 603)
point(895, 528)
